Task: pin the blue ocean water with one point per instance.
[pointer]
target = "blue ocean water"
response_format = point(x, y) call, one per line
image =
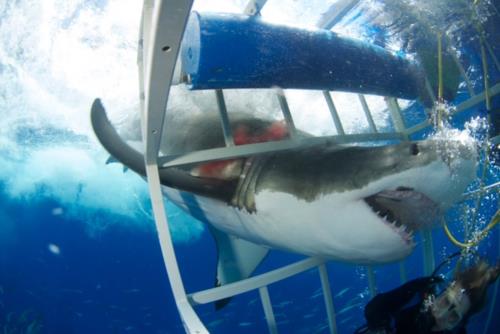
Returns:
point(78, 248)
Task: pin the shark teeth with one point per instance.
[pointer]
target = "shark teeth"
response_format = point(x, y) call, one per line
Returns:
point(405, 232)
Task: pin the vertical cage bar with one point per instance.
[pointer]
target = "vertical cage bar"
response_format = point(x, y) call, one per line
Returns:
point(428, 248)
point(368, 113)
point(372, 284)
point(396, 116)
point(268, 310)
point(254, 7)
point(327, 294)
point(492, 54)
point(226, 125)
point(285, 109)
point(468, 83)
point(334, 113)
point(429, 90)
point(495, 291)
point(402, 272)
point(336, 12)
point(168, 21)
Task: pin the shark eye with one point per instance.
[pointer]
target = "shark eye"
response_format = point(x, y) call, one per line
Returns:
point(414, 149)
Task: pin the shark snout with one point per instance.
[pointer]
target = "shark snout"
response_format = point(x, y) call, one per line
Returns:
point(460, 148)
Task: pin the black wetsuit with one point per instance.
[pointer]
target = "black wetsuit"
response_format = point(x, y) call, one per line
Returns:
point(400, 310)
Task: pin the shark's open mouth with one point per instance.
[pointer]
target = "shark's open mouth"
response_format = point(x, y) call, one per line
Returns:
point(404, 210)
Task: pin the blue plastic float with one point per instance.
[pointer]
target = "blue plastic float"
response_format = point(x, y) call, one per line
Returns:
point(224, 51)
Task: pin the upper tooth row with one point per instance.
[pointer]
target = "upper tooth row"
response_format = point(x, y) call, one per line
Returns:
point(402, 228)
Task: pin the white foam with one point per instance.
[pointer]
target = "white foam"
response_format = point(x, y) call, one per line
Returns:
point(56, 57)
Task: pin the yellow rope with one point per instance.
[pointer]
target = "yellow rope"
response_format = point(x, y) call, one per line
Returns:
point(494, 221)
point(439, 107)
point(485, 75)
point(496, 218)
point(440, 68)
point(482, 42)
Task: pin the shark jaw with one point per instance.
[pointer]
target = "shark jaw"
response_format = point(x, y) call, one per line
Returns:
point(404, 210)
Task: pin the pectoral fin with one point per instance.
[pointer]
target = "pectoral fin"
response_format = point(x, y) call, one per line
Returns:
point(237, 259)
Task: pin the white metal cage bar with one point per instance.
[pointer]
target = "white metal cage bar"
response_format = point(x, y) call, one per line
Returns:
point(159, 50)
point(254, 7)
point(334, 113)
point(268, 310)
point(368, 114)
point(253, 283)
point(285, 109)
point(226, 126)
point(327, 295)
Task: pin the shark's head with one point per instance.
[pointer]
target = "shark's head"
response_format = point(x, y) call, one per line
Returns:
point(425, 179)
point(365, 204)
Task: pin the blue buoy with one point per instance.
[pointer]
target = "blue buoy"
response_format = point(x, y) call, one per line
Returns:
point(223, 51)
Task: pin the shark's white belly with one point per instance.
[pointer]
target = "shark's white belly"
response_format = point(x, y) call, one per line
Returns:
point(329, 227)
point(312, 228)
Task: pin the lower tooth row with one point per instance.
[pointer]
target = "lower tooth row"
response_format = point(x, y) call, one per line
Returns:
point(401, 228)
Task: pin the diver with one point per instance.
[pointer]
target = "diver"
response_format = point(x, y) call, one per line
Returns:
point(415, 307)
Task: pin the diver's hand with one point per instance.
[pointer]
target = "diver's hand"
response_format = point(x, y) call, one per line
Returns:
point(427, 284)
point(437, 279)
point(432, 282)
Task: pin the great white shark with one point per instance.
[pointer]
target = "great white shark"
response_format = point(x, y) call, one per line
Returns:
point(356, 204)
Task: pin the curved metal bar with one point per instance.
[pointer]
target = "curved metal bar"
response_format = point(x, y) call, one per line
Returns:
point(252, 283)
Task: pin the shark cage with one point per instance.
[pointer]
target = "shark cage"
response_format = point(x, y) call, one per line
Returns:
point(218, 51)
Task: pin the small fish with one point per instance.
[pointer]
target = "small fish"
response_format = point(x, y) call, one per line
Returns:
point(76, 291)
point(342, 292)
point(253, 301)
point(215, 323)
point(33, 328)
point(245, 324)
point(57, 211)
point(355, 299)
point(317, 294)
point(54, 249)
point(116, 307)
point(348, 308)
point(31, 293)
point(9, 316)
point(343, 321)
point(320, 328)
point(132, 291)
point(283, 304)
